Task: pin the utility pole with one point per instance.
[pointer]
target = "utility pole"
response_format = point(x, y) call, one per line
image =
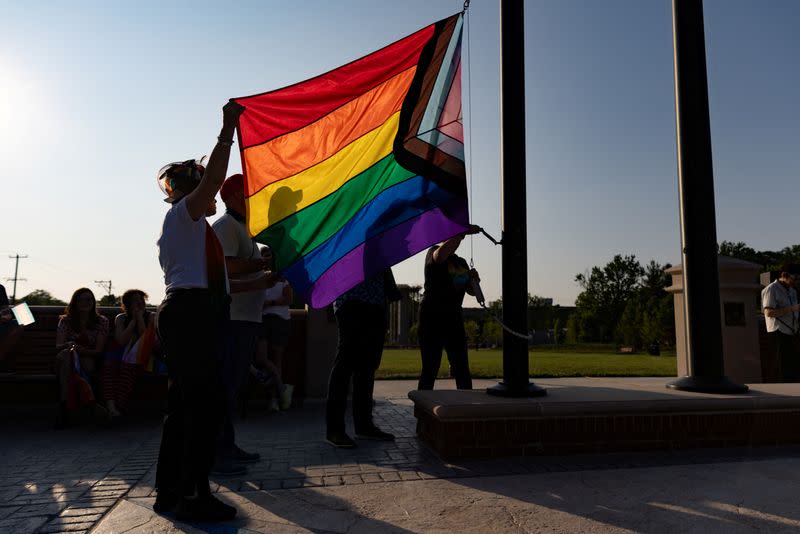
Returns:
point(16, 258)
point(105, 284)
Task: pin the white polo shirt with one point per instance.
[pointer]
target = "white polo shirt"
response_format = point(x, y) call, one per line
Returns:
point(236, 243)
point(776, 295)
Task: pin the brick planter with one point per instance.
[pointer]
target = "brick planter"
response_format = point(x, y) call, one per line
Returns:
point(464, 424)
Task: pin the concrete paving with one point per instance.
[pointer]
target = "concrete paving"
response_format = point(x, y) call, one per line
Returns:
point(100, 480)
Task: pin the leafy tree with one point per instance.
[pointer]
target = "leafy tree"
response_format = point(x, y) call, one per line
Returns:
point(40, 297)
point(558, 332)
point(535, 301)
point(473, 333)
point(108, 300)
point(623, 301)
point(493, 333)
point(572, 328)
point(658, 320)
point(649, 315)
point(770, 260)
point(629, 328)
point(655, 279)
point(605, 294)
point(739, 250)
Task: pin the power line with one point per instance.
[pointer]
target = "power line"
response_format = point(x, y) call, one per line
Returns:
point(16, 278)
point(105, 284)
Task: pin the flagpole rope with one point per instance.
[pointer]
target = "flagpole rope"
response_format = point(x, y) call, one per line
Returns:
point(469, 170)
point(469, 130)
point(502, 324)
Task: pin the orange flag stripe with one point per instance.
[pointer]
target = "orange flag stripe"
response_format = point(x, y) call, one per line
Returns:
point(294, 152)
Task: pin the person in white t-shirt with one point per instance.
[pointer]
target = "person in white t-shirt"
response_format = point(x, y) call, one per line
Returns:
point(276, 323)
point(190, 322)
point(781, 313)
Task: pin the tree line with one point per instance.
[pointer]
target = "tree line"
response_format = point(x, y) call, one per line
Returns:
point(624, 302)
point(770, 260)
point(42, 297)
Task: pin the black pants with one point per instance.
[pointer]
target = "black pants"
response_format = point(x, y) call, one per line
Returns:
point(362, 329)
point(240, 339)
point(437, 331)
point(787, 356)
point(190, 334)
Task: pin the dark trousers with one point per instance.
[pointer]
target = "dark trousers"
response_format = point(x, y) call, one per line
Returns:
point(240, 346)
point(787, 356)
point(362, 329)
point(437, 331)
point(190, 335)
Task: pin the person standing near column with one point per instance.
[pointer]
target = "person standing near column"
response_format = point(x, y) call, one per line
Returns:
point(779, 301)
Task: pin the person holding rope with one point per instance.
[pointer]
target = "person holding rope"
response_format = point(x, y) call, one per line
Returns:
point(779, 301)
point(441, 322)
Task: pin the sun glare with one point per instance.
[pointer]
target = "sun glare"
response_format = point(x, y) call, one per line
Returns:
point(19, 95)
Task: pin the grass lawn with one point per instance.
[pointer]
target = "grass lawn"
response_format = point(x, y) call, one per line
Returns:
point(551, 361)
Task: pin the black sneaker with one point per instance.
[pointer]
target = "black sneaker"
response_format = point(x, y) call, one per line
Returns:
point(165, 501)
point(205, 508)
point(374, 433)
point(340, 440)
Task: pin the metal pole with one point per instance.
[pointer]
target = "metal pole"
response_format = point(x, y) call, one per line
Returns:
point(515, 267)
point(16, 258)
point(16, 272)
point(696, 198)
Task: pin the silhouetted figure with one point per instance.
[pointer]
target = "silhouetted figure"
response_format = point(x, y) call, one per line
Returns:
point(243, 263)
point(361, 318)
point(441, 322)
point(80, 341)
point(134, 340)
point(779, 301)
point(10, 331)
point(191, 323)
point(276, 327)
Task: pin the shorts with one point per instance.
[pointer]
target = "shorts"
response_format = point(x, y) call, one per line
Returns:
point(275, 330)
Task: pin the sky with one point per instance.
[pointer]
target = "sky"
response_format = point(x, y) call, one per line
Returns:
point(96, 96)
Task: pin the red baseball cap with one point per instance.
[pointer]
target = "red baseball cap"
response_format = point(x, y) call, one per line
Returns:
point(232, 183)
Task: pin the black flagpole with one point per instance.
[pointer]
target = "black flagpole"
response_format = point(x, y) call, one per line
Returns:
point(515, 262)
point(696, 196)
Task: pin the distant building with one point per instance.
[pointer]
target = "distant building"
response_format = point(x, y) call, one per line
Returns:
point(403, 314)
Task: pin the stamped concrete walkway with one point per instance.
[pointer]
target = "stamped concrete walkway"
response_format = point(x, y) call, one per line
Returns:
point(100, 480)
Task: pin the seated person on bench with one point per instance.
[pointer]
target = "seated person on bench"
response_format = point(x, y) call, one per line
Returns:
point(10, 331)
point(80, 340)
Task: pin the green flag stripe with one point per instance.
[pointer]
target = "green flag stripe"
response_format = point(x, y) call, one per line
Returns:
point(300, 233)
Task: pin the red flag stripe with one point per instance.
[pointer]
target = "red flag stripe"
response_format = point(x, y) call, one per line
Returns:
point(275, 113)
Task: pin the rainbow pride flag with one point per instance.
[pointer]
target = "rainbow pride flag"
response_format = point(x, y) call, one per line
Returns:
point(359, 168)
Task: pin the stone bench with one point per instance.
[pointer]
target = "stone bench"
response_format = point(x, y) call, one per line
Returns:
point(29, 374)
